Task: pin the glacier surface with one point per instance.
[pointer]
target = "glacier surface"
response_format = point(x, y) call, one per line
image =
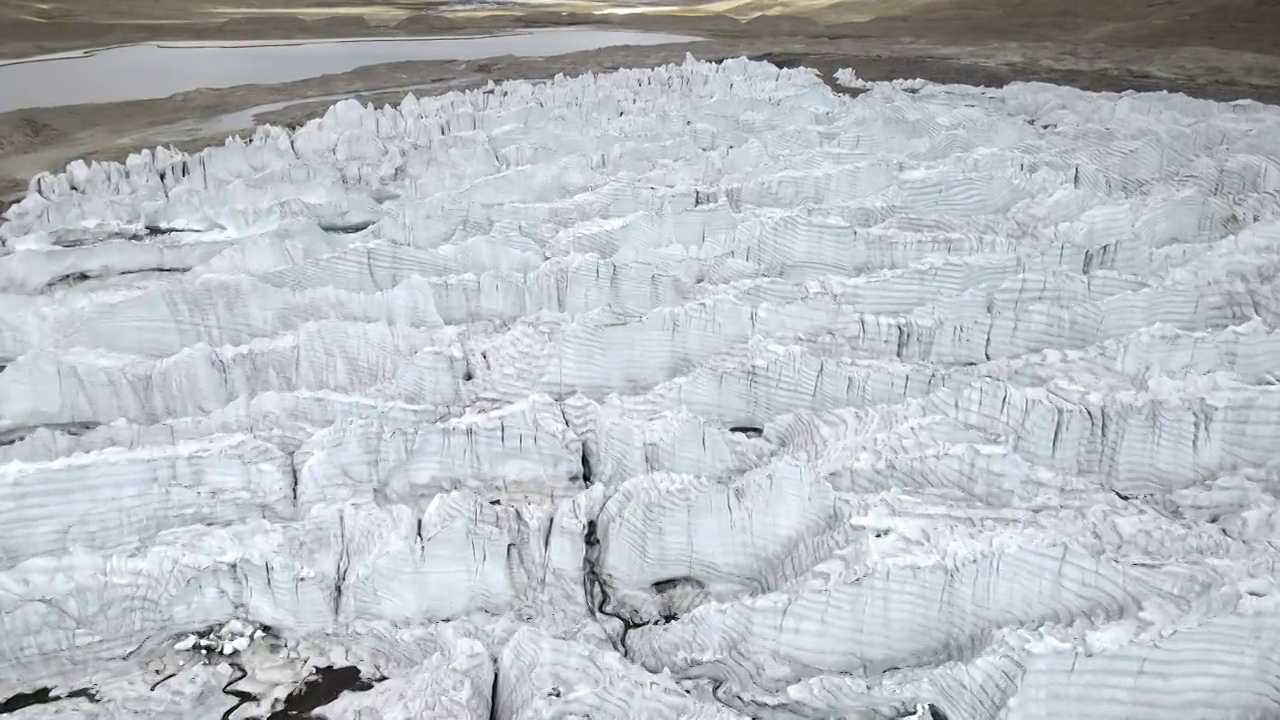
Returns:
point(700, 391)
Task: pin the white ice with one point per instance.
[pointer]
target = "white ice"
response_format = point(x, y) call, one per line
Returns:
point(694, 392)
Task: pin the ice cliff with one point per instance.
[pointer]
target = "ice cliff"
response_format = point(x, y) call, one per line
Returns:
point(694, 392)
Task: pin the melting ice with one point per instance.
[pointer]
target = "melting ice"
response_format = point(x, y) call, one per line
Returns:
point(691, 392)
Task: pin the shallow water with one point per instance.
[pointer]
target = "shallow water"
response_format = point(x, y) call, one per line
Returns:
point(156, 70)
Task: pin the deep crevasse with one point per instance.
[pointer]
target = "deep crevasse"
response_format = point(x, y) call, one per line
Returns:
point(692, 392)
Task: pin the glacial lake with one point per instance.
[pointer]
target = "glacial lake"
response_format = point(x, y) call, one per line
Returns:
point(157, 70)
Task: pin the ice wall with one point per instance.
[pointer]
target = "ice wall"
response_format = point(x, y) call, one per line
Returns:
point(692, 392)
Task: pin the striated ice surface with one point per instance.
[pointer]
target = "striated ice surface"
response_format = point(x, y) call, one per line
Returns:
point(692, 392)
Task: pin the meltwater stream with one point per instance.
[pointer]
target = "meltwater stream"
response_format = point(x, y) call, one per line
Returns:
point(156, 70)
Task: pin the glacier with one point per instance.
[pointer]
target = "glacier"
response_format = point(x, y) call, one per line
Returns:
point(699, 391)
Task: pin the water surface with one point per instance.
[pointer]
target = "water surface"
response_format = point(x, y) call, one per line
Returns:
point(156, 70)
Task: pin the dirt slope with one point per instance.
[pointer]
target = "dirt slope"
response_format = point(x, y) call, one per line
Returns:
point(32, 26)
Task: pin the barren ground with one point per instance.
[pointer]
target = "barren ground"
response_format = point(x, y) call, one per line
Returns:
point(1221, 49)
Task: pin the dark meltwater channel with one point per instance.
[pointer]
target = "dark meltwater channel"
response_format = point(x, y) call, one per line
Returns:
point(43, 696)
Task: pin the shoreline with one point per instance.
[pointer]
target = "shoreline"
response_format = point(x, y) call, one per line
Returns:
point(156, 70)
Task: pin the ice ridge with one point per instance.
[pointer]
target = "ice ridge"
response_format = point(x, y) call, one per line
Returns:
point(698, 391)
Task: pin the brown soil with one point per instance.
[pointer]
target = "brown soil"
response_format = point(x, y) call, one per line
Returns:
point(29, 27)
point(1220, 49)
